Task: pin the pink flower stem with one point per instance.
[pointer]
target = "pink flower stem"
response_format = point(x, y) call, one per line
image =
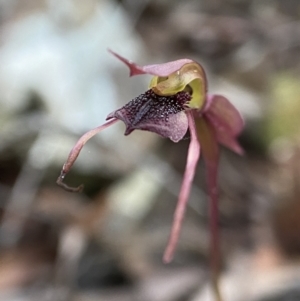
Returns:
point(212, 171)
point(76, 151)
point(192, 160)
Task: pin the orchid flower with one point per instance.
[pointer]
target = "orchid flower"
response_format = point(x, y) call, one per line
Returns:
point(177, 101)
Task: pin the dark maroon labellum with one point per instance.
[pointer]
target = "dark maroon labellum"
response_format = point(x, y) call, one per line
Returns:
point(150, 108)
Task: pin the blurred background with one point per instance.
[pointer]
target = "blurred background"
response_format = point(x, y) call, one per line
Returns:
point(57, 81)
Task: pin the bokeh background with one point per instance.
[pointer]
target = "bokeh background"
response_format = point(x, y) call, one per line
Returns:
point(57, 81)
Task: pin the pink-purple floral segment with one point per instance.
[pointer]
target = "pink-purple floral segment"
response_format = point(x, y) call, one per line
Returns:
point(177, 101)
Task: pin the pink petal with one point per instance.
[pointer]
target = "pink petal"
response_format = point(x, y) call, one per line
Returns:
point(74, 153)
point(226, 120)
point(227, 140)
point(227, 115)
point(191, 164)
point(158, 69)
